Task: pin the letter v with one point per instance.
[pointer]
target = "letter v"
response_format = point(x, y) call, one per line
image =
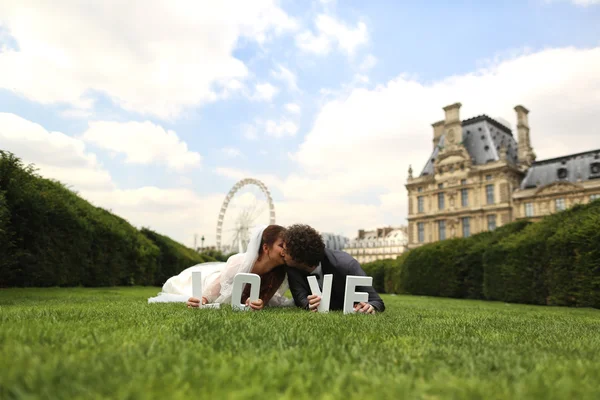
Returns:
point(326, 295)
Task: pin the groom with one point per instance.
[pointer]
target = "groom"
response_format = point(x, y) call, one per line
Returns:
point(305, 252)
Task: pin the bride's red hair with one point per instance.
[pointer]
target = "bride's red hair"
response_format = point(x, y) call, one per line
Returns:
point(272, 280)
point(270, 235)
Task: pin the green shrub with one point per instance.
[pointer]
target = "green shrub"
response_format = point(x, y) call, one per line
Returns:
point(59, 239)
point(174, 257)
point(453, 267)
point(555, 261)
point(573, 258)
point(5, 238)
point(376, 269)
point(392, 274)
point(436, 269)
point(215, 255)
point(514, 268)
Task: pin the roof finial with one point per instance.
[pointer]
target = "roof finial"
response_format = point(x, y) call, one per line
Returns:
point(410, 171)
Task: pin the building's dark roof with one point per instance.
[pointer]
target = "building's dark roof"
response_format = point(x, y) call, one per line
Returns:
point(483, 137)
point(578, 168)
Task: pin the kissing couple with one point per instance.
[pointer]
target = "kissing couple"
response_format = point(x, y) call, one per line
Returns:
point(283, 258)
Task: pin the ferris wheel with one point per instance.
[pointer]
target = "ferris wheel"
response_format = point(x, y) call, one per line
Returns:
point(247, 205)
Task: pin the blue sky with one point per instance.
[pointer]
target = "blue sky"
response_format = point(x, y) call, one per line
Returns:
point(157, 112)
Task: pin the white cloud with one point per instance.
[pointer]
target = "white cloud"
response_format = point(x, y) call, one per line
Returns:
point(142, 143)
point(316, 207)
point(293, 108)
point(285, 75)
point(55, 154)
point(270, 180)
point(250, 132)
point(369, 62)
point(274, 128)
point(363, 141)
point(231, 152)
point(580, 3)
point(265, 92)
point(155, 60)
point(331, 32)
point(281, 128)
point(176, 212)
point(361, 78)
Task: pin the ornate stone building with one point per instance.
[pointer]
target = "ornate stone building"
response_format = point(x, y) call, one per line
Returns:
point(554, 185)
point(333, 241)
point(378, 244)
point(479, 177)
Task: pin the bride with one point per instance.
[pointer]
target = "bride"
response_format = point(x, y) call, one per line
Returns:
point(262, 257)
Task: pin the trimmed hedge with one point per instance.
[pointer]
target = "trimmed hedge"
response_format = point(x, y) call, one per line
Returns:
point(514, 268)
point(49, 236)
point(174, 257)
point(553, 262)
point(376, 270)
point(573, 272)
point(393, 271)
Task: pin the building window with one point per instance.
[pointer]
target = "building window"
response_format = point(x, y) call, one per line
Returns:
point(464, 197)
point(562, 173)
point(440, 185)
point(489, 192)
point(420, 189)
point(491, 220)
point(488, 177)
point(420, 204)
point(463, 182)
point(440, 201)
point(529, 209)
point(466, 226)
point(421, 231)
point(560, 204)
point(442, 229)
point(595, 196)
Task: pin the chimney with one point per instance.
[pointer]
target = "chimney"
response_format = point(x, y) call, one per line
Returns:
point(452, 124)
point(526, 155)
point(438, 129)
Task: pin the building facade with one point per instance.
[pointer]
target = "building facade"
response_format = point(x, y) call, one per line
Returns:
point(478, 177)
point(378, 244)
point(334, 242)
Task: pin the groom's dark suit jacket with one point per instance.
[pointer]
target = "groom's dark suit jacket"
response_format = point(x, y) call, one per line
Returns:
point(339, 264)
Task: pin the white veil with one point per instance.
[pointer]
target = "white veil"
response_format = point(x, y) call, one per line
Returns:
point(248, 260)
point(218, 277)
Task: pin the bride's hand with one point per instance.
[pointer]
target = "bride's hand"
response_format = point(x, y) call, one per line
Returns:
point(194, 302)
point(256, 304)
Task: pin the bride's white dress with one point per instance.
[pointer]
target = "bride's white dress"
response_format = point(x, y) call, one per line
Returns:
point(217, 279)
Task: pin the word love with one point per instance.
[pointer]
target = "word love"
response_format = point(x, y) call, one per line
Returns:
point(351, 296)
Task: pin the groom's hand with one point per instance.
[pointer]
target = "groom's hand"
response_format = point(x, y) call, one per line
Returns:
point(313, 302)
point(364, 308)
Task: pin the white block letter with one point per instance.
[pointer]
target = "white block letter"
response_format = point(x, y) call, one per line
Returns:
point(197, 285)
point(351, 296)
point(238, 284)
point(326, 295)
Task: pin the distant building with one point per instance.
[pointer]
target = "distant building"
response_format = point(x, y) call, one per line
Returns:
point(334, 242)
point(378, 244)
point(478, 178)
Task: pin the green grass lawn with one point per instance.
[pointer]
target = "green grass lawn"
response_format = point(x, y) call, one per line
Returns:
point(109, 343)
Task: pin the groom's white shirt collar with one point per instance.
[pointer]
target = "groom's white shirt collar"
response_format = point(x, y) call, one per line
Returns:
point(318, 271)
